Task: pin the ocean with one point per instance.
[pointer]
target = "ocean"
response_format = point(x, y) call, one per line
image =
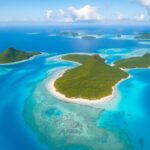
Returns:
point(32, 118)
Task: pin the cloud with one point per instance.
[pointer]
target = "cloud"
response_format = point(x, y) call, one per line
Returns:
point(91, 14)
point(145, 2)
point(120, 16)
point(86, 13)
point(65, 16)
point(49, 14)
point(136, 18)
point(140, 17)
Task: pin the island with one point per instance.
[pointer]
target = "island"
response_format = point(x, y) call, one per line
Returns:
point(79, 35)
point(144, 36)
point(92, 79)
point(88, 37)
point(119, 36)
point(12, 55)
point(68, 33)
point(135, 62)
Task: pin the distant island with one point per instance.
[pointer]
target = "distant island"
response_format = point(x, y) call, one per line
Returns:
point(93, 78)
point(68, 33)
point(144, 36)
point(12, 55)
point(135, 62)
point(79, 35)
point(88, 37)
point(119, 35)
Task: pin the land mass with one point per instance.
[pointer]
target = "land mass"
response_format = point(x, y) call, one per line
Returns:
point(78, 35)
point(144, 36)
point(135, 62)
point(67, 33)
point(119, 35)
point(12, 55)
point(88, 37)
point(93, 78)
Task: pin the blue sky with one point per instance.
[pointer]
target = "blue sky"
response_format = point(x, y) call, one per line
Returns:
point(70, 11)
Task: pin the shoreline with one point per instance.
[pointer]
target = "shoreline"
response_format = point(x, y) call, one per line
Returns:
point(105, 102)
point(22, 61)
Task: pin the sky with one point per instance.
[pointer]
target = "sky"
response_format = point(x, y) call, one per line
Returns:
point(74, 11)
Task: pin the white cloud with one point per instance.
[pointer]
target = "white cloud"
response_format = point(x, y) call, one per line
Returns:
point(145, 2)
point(62, 12)
point(86, 13)
point(120, 16)
point(140, 17)
point(72, 14)
point(90, 13)
point(49, 14)
point(65, 16)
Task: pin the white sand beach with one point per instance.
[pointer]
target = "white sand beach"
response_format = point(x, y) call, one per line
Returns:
point(106, 102)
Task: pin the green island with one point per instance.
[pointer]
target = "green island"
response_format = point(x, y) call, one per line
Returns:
point(93, 78)
point(119, 35)
point(135, 62)
point(88, 37)
point(144, 36)
point(11, 55)
point(68, 33)
point(76, 34)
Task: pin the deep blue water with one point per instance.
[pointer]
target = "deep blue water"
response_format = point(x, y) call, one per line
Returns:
point(17, 37)
point(31, 118)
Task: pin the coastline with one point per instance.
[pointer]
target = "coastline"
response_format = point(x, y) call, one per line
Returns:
point(22, 61)
point(105, 102)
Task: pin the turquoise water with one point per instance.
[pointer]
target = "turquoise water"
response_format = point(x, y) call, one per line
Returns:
point(32, 118)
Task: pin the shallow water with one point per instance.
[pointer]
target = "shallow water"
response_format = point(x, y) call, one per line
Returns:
point(31, 118)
